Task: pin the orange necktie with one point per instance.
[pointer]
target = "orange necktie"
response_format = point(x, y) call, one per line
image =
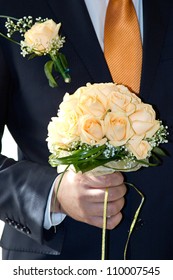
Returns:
point(122, 43)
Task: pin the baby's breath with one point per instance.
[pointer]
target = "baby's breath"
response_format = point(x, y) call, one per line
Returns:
point(160, 137)
point(21, 25)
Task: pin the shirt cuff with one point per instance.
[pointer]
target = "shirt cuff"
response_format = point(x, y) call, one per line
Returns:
point(52, 219)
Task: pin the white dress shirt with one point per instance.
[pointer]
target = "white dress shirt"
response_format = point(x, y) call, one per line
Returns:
point(97, 12)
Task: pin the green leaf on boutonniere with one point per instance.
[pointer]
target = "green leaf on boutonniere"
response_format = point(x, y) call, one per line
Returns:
point(63, 61)
point(48, 67)
point(32, 56)
point(61, 66)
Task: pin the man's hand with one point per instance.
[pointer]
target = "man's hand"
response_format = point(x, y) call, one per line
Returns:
point(81, 197)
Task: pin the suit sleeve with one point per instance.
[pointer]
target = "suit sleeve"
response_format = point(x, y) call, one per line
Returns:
point(24, 185)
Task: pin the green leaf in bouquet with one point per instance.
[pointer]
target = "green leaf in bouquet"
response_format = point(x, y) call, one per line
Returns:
point(158, 151)
point(149, 163)
point(83, 165)
point(84, 159)
point(77, 156)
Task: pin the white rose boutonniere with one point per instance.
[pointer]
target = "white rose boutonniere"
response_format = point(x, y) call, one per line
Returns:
point(40, 37)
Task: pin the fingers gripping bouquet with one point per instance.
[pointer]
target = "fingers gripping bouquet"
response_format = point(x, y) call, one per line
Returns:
point(102, 128)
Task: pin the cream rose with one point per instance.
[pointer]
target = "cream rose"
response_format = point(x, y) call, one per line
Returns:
point(118, 128)
point(139, 147)
point(143, 120)
point(105, 88)
point(62, 132)
point(91, 130)
point(92, 101)
point(118, 101)
point(125, 91)
point(70, 103)
point(40, 36)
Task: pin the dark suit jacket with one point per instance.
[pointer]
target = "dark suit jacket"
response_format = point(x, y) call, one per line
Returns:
point(27, 104)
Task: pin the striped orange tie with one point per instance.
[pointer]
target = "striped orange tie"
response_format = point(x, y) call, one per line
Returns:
point(122, 43)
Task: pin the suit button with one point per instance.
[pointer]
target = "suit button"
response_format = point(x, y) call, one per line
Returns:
point(8, 221)
point(19, 226)
point(13, 223)
point(26, 230)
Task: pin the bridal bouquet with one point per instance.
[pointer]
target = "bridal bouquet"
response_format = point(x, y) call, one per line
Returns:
point(102, 128)
point(40, 37)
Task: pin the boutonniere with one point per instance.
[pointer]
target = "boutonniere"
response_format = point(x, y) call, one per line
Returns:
point(40, 37)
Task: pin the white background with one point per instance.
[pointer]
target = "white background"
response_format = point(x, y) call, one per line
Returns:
point(9, 149)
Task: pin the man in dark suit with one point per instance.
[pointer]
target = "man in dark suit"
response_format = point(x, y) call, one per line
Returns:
point(27, 105)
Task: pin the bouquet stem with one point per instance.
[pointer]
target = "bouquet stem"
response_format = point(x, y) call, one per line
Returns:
point(104, 225)
point(134, 218)
point(131, 226)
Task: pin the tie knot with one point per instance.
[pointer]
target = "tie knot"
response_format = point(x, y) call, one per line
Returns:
point(120, 9)
point(124, 4)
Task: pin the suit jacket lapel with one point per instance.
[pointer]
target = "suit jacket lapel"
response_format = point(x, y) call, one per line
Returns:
point(80, 33)
point(156, 15)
